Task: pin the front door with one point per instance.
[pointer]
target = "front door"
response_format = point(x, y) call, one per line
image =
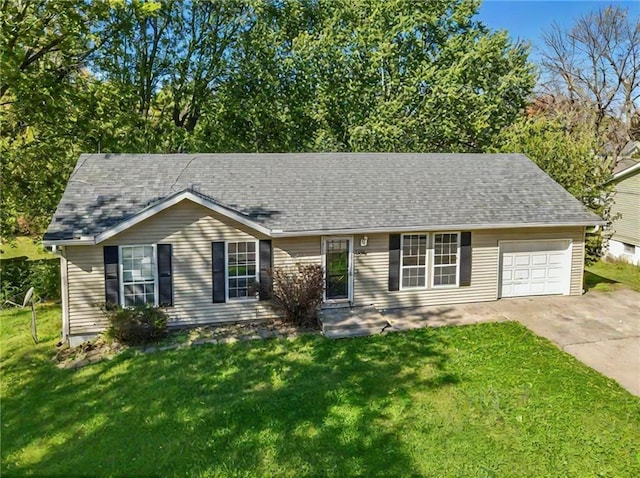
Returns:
point(337, 267)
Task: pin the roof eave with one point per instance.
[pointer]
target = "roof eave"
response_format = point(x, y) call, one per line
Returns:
point(440, 227)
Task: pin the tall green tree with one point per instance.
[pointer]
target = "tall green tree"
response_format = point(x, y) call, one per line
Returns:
point(43, 48)
point(375, 76)
point(415, 76)
point(266, 103)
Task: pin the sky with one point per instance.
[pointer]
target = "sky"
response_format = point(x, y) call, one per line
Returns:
point(528, 19)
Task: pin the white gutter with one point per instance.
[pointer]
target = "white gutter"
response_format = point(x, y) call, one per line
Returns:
point(84, 241)
point(624, 172)
point(276, 233)
point(446, 227)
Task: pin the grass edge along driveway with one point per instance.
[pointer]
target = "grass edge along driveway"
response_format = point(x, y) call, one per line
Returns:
point(480, 400)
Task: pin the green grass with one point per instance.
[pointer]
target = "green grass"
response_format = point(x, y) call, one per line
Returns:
point(606, 276)
point(481, 400)
point(24, 246)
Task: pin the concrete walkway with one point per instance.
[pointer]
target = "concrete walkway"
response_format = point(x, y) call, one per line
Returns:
point(602, 329)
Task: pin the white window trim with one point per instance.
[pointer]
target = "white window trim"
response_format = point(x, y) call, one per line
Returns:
point(226, 271)
point(156, 288)
point(426, 261)
point(433, 262)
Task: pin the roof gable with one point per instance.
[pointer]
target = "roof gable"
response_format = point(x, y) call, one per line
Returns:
point(172, 200)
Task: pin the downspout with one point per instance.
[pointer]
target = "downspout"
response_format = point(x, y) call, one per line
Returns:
point(64, 294)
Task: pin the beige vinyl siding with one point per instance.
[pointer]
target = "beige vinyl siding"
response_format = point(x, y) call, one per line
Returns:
point(85, 270)
point(190, 229)
point(297, 250)
point(372, 269)
point(626, 228)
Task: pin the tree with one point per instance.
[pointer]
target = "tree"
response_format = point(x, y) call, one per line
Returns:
point(412, 76)
point(44, 46)
point(595, 67)
point(42, 42)
point(376, 76)
point(172, 55)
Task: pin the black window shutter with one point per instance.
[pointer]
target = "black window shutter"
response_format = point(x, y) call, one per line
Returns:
point(266, 266)
point(111, 276)
point(218, 261)
point(165, 276)
point(465, 258)
point(394, 262)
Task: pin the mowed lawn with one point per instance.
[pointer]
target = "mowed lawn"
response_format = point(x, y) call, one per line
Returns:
point(482, 400)
point(608, 275)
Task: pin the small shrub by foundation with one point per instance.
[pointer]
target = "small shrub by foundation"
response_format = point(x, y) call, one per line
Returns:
point(137, 325)
point(297, 294)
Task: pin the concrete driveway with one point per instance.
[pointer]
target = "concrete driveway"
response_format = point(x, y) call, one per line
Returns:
point(602, 329)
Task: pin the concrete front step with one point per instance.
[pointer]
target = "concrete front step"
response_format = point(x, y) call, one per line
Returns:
point(352, 322)
point(339, 333)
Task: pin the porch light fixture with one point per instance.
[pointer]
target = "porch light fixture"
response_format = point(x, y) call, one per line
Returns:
point(363, 241)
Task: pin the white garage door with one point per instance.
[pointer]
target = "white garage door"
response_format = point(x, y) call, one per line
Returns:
point(535, 268)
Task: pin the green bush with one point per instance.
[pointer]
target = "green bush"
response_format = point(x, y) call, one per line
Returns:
point(18, 274)
point(137, 325)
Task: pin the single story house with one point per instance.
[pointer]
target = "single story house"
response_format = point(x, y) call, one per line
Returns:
point(625, 238)
point(196, 232)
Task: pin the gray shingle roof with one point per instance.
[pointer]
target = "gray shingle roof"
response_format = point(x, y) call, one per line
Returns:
point(321, 191)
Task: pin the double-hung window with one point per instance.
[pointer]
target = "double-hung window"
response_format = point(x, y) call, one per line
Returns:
point(445, 259)
point(139, 275)
point(242, 270)
point(414, 260)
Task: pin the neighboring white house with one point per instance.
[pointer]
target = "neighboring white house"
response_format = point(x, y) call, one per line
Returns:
point(625, 240)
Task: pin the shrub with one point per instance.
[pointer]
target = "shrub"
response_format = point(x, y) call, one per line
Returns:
point(136, 325)
point(297, 293)
point(19, 274)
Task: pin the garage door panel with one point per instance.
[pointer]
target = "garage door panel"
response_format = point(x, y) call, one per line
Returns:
point(539, 259)
point(537, 289)
point(538, 274)
point(556, 258)
point(535, 268)
point(519, 290)
point(555, 273)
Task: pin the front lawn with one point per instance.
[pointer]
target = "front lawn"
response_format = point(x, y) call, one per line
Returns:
point(482, 400)
point(606, 275)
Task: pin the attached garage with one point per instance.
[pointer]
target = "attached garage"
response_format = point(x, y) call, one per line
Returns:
point(530, 268)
